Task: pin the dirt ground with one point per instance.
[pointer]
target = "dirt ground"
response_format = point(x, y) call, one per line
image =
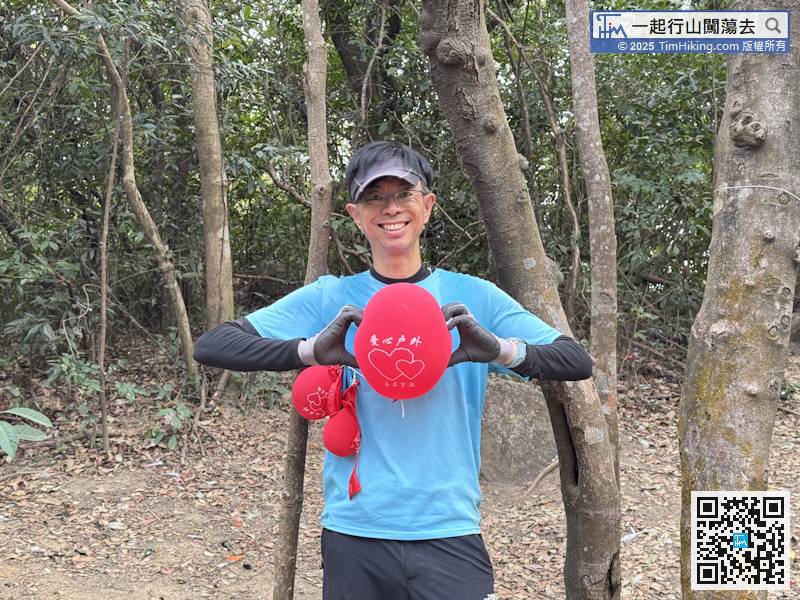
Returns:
point(149, 525)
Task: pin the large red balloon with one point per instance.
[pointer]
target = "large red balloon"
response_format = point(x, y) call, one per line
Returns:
point(402, 344)
point(341, 434)
point(312, 390)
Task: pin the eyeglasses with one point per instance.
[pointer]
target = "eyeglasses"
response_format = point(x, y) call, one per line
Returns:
point(375, 199)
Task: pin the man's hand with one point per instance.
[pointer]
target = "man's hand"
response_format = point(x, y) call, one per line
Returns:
point(477, 343)
point(327, 347)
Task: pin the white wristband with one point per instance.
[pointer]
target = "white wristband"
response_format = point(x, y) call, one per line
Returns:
point(306, 351)
point(512, 352)
point(508, 351)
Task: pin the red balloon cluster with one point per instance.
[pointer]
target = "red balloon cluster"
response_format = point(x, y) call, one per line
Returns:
point(403, 344)
point(316, 394)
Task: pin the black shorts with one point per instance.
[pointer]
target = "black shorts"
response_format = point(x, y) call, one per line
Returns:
point(358, 568)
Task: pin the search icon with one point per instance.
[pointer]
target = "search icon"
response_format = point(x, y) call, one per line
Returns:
point(772, 25)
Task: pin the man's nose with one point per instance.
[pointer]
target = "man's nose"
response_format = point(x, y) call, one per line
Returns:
point(391, 205)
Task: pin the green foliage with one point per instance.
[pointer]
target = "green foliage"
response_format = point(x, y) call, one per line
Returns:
point(86, 416)
point(163, 392)
point(176, 421)
point(129, 392)
point(12, 433)
point(75, 373)
point(48, 312)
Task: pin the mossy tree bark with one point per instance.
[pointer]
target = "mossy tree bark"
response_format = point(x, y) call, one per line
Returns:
point(739, 339)
point(455, 38)
point(314, 82)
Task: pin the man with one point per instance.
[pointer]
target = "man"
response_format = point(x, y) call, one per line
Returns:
point(413, 532)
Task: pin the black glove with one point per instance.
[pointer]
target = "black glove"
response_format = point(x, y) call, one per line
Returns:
point(327, 347)
point(477, 343)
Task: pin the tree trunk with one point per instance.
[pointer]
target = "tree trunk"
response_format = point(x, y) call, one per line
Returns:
point(455, 39)
point(739, 339)
point(315, 74)
point(213, 182)
point(101, 342)
point(135, 198)
point(602, 234)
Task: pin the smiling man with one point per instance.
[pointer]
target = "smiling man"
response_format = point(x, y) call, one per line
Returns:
point(392, 202)
point(413, 532)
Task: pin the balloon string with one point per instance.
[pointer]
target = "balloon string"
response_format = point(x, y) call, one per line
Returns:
point(403, 409)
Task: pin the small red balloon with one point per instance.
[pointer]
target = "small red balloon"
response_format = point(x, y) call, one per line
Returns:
point(341, 434)
point(402, 344)
point(311, 391)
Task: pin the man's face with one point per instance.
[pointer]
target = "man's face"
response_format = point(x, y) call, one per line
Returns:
point(392, 228)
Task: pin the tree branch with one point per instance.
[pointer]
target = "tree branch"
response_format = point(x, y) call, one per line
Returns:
point(22, 69)
point(263, 278)
point(280, 184)
point(368, 72)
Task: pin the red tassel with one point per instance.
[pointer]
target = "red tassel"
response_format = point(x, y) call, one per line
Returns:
point(355, 485)
point(349, 400)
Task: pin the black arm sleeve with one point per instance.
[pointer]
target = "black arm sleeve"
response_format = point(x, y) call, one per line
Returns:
point(236, 345)
point(563, 359)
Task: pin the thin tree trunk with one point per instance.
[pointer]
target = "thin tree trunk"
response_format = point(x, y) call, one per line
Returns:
point(101, 343)
point(314, 82)
point(602, 233)
point(137, 204)
point(213, 181)
point(737, 349)
point(455, 39)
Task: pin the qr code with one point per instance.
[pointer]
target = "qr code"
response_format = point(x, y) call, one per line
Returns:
point(740, 540)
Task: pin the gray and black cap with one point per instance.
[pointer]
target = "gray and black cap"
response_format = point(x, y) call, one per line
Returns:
point(386, 159)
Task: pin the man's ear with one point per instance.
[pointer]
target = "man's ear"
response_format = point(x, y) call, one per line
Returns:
point(429, 200)
point(352, 210)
